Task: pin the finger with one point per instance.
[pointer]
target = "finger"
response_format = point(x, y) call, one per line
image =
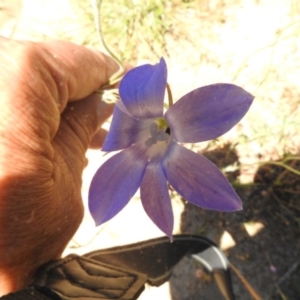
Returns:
point(98, 139)
point(77, 71)
point(105, 110)
point(42, 78)
point(83, 119)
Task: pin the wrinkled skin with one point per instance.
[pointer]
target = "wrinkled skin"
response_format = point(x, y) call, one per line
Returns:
point(48, 117)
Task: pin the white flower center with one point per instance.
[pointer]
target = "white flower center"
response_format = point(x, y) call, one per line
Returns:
point(156, 137)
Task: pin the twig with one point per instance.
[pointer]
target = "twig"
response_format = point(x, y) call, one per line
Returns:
point(244, 281)
point(289, 272)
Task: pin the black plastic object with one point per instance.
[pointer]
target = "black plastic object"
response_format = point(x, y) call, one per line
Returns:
point(121, 272)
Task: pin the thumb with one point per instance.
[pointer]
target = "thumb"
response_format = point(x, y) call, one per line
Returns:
point(84, 118)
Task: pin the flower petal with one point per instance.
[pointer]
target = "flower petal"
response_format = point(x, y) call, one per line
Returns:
point(124, 131)
point(207, 112)
point(155, 197)
point(198, 180)
point(115, 182)
point(142, 90)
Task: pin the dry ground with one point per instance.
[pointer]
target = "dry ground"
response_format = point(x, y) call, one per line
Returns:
point(251, 43)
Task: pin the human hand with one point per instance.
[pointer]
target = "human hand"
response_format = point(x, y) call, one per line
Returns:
point(47, 120)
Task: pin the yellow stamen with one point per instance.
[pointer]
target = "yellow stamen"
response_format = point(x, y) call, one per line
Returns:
point(161, 124)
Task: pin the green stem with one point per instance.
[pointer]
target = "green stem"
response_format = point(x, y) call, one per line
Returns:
point(115, 78)
point(170, 97)
point(276, 163)
point(284, 166)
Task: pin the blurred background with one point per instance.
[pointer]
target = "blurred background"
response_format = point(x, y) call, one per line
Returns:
point(251, 43)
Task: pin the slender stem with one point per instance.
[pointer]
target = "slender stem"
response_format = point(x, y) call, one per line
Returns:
point(284, 166)
point(291, 158)
point(277, 163)
point(96, 5)
point(170, 97)
point(115, 78)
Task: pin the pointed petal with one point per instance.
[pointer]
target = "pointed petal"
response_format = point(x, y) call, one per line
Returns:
point(124, 131)
point(207, 112)
point(198, 180)
point(142, 90)
point(155, 198)
point(121, 106)
point(115, 182)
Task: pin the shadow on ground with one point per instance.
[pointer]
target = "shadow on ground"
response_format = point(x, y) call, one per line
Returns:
point(269, 260)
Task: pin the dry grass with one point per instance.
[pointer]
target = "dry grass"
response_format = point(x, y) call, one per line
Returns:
point(254, 44)
point(250, 43)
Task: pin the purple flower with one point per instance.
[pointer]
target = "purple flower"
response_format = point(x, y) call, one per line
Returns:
point(152, 156)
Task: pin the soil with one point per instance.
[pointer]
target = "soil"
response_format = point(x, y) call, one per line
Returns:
point(269, 260)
